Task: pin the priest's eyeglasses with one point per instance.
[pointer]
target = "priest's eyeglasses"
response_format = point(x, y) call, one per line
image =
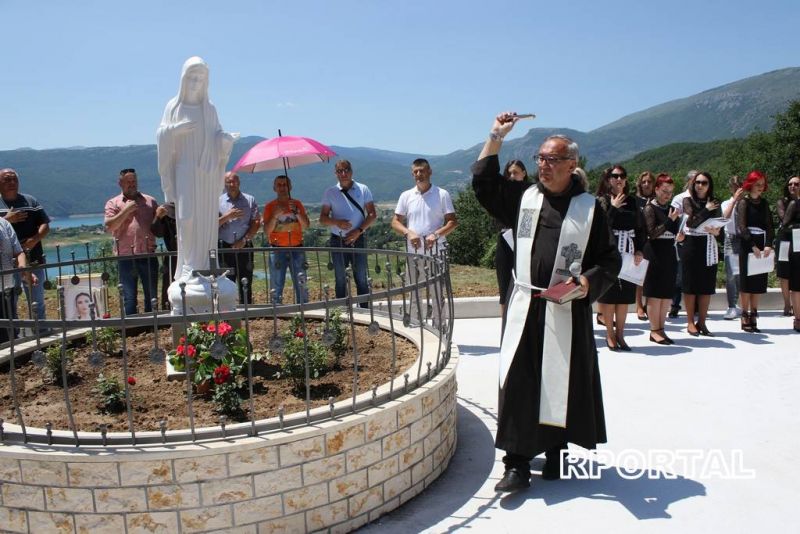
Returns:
point(550, 160)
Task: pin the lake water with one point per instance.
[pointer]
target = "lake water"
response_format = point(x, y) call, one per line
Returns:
point(74, 221)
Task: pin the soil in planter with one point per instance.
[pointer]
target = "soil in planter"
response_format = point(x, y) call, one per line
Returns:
point(154, 398)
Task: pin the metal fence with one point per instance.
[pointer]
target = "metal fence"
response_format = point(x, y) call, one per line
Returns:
point(403, 288)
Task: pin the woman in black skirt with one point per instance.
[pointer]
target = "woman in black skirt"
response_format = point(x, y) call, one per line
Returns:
point(755, 233)
point(700, 255)
point(790, 224)
point(625, 221)
point(503, 256)
point(784, 236)
point(645, 191)
point(661, 222)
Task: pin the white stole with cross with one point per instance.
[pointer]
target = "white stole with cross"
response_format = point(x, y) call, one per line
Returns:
point(557, 343)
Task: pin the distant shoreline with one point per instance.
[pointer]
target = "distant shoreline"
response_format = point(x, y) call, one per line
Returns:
point(77, 215)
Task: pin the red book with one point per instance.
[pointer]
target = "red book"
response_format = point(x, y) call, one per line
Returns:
point(562, 292)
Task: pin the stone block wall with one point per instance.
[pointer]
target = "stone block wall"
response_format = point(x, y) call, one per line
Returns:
point(334, 476)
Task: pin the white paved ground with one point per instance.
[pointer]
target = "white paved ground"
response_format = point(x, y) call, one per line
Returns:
point(734, 392)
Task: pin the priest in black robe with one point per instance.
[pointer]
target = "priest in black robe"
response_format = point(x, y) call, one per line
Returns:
point(520, 433)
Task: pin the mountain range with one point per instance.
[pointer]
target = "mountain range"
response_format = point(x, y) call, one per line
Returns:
point(79, 180)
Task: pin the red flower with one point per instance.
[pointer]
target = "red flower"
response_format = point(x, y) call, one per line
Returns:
point(224, 328)
point(182, 340)
point(299, 333)
point(180, 349)
point(132, 380)
point(191, 351)
point(222, 374)
point(211, 327)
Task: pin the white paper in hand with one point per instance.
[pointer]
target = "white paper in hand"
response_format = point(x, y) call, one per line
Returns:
point(783, 251)
point(760, 265)
point(796, 239)
point(631, 272)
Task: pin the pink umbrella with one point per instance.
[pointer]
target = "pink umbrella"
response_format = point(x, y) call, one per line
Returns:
point(283, 152)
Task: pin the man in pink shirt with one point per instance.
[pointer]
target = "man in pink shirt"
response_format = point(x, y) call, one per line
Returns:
point(128, 217)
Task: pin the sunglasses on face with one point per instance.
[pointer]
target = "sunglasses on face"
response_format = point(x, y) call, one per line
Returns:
point(700, 182)
point(126, 171)
point(616, 175)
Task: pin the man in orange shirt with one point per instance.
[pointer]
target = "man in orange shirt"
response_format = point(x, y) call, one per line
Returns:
point(284, 221)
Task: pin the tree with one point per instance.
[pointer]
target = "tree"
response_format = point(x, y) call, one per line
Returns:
point(474, 233)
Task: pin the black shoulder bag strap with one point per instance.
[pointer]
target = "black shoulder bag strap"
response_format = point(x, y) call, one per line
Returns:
point(354, 203)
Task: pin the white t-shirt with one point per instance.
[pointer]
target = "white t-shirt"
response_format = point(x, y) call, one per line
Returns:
point(424, 212)
point(677, 201)
point(730, 226)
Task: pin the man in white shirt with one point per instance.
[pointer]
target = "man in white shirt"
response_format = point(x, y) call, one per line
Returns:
point(424, 216)
point(677, 203)
point(731, 248)
point(348, 209)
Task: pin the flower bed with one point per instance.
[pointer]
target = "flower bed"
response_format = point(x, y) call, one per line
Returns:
point(154, 398)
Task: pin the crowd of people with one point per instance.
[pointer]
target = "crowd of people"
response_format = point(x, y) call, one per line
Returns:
point(623, 245)
point(424, 216)
point(680, 237)
point(627, 244)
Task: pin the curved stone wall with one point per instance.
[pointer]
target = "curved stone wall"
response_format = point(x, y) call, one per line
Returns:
point(335, 476)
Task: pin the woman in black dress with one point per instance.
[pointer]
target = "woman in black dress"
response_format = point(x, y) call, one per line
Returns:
point(700, 255)
point(503, 256)
point(645, 191)
point(624, 219)
point(755, 233)
point(784, 236)
point(790, 223)
point(661, 222)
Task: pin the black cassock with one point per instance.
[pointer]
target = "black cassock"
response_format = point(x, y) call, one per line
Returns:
point(518, 428)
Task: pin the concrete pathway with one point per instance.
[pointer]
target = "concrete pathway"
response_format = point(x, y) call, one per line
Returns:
point(726, 410)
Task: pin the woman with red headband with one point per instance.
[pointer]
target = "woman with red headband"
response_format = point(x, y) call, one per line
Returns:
point(755, 233)
point(790, 225)
point(661, 221)
point(700, 255)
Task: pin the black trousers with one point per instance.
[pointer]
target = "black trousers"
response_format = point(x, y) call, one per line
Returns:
point(6, 300)
point(240, 263)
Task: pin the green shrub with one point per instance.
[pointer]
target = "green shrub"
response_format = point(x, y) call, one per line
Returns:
point(294, 355)
point(52, 361)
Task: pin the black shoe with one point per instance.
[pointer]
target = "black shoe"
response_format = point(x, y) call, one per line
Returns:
point(703, 330)
point(622, 345)
point(662, 341)
point(551, 470)
point(514, 479)
point(673, 311)
point(612, 348)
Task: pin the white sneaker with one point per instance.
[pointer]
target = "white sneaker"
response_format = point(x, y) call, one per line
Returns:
point(730, 315)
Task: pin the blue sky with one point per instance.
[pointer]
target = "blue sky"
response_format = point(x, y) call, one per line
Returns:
point(416, 76)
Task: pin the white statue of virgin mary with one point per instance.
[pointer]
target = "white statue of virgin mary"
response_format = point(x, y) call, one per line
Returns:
point(192, 153)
